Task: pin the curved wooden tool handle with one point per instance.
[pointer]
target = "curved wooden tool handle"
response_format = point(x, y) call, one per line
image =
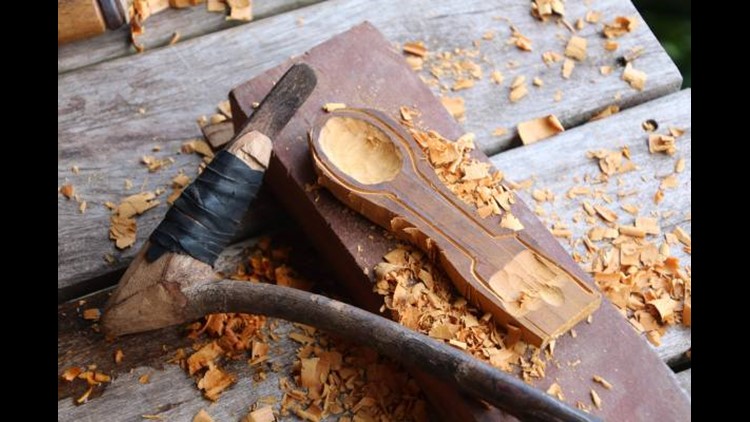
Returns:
point(490, 265)
point(402, 344)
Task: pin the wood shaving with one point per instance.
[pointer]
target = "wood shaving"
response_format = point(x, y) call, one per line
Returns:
point(610, 45)
point(202, 416)
point(636, 78)
point(92, 314)
point(555, 390)
point(214, 382)
point(541, 128)
point(500, 131)
point(67, 190)
point(682, 236)
point(82, 207)
point(662, 143)
point(608, 111)
point(538, 82)
point(263, 414)
point(240, 10)
point(543, 9)
point(519, 40)
point(518, 89)
point(144, 379)
point(576, 48)
point(550, 57)
point(329, 107)
point(155, 164)
point(455, 106)
point(462, 84)
point(71, 373)
point(596, 399)
point(620, 26)
point(496, 77)
point(198, 146)
point(603, 382)
point(593, 16)
point(416, 48)
point(612, 162)
point(679, 165)
point(567, 68)
point(119, 356)
point(605, 70)
point(216, 6)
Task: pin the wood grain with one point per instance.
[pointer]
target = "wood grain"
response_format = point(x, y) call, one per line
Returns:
point(685, 380)
point(78, 19)
point(103, 132)
point(556, 163)
point(479, 255)
point(190, 22)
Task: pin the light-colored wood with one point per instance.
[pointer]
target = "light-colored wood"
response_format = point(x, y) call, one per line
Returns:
point(489, 264)
point(557, 162)
point(101, 130)
point(685, 379)
point(77, 19)
point(189, 22)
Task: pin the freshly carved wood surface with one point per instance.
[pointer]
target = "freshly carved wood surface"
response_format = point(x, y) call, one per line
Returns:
point(101, 128)
point(557, 162)
point(190, 22)
point(479, 255)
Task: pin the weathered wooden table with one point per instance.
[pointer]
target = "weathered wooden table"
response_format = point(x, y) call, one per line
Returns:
point(115, 106)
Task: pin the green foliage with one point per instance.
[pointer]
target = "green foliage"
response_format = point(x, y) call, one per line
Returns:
point(670, 21)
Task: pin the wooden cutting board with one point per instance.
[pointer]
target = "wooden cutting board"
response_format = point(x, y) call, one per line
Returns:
point(360, 68)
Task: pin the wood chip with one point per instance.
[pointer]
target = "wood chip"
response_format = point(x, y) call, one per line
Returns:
point(214, 382)
point(496, 77)
point(216, 6)
point(500, 131)
point(263, 414)
point(144, 379)
point(576, 48)
point(119, 356)
point(567, 68)
point(679, 165)
point(596, 399)
point(416, 48)
point(462, 84)
point(240, 10)
point(92, 314)
point(682, 236)
point(518, 89)
point(608, 111)
point(605, 70)
point(329, 107)
point(538, 82)
point(541, 128)
point(593, 16)
point(620, 26)
point(455, 106)
point(662, 143)
point(555, 390)
point(636, 78)
point(603, 382)
point(71, 373)
point(67, 190)
point(610, 45)
point(605, 213)
point(509, 221)
point(202, 416)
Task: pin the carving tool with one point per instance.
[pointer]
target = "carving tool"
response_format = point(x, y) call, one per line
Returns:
point(78, 19)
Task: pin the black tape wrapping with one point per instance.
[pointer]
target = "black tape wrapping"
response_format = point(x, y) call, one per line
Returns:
point(206, 216)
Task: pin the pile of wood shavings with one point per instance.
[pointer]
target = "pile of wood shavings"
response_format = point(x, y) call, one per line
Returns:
point(420, 296)
point(332, 377)
point(92, 377)
point(630, 258)
point(348, 380)
point(140, 10)
point(469, 179)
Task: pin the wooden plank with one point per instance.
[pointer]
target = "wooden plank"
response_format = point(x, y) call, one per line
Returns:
point(101, 130)
point(685, 380)
point(190, 23)
point(351, 246)
point(555, 164)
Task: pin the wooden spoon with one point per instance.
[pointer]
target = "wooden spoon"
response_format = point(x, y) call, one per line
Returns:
point(373, 165)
